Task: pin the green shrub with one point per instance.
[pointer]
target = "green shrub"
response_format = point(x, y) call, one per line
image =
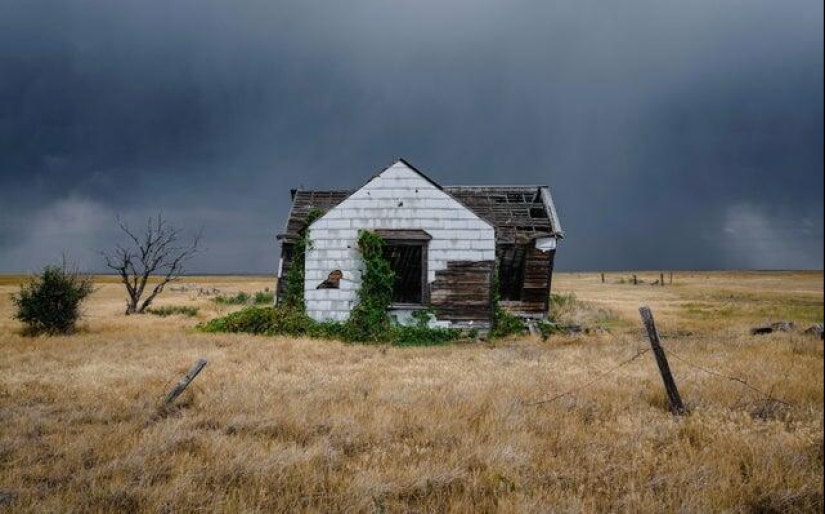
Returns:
point(262, 321)
point(49, 303)
point(172, 310)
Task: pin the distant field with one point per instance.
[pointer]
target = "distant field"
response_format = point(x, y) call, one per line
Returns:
point(280, 424)
point(6, 280)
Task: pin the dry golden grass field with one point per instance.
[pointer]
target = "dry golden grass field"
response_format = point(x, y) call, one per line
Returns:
point(286, 425)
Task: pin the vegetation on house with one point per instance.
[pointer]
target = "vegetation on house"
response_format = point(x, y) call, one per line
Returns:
point(294, 288)
point(504, 323)
point(173, 310)
point(49, 303)
point(369, 321)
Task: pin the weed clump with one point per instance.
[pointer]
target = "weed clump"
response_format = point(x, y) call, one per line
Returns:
point(173, 310)
point(243, 298)
point(263, 297)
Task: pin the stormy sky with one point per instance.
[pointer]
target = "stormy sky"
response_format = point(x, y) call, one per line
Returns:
point(684, 135)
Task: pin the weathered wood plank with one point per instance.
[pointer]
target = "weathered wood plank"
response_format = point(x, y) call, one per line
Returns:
point(674, 398)
point(185, 381)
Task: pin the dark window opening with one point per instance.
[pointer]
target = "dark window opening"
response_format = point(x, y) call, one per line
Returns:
point(511, 263)
point(407, 262)
point(538, 213)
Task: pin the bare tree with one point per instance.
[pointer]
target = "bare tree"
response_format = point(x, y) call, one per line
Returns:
point(159, 252)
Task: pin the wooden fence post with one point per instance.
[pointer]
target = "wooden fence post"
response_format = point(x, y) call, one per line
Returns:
point(674, 399)
point(602, 278)
point(635, 280)
point(662, 279)
point(185, 381)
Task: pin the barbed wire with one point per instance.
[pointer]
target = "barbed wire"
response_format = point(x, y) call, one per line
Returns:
point(590, 383)
point(768, 396)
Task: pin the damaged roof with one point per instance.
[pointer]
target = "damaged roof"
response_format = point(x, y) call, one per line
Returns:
point(518, 213)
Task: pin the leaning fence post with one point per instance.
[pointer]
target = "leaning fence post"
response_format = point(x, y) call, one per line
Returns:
point(674, 399)
point(185, 381)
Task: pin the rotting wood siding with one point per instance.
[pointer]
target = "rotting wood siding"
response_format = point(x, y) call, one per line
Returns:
point(461, 283)
point(462, 293)
point(536, 286)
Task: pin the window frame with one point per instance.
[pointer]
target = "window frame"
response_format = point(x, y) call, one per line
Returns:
point(411, 238)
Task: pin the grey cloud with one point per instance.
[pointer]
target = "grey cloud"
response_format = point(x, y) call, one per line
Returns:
point(652, 121)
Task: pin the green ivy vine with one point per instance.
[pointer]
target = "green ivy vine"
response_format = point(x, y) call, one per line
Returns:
point(369, 321)
point(294, 289)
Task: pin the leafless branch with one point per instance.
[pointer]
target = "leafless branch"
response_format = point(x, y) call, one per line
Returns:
point(160, 251)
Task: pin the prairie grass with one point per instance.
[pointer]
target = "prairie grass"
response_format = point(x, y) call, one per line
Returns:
point(282, 424)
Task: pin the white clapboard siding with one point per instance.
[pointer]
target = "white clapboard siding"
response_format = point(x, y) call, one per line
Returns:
point(398, 198)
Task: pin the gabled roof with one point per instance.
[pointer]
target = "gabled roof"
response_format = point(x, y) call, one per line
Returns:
point(518, 213)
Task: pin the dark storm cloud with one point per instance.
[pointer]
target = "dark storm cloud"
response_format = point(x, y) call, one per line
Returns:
point(673, 135)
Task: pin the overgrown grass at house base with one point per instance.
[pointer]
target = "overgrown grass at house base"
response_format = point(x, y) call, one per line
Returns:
point(291, 321)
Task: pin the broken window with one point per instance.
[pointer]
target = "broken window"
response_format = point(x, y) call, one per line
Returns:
point(406, 252)
point(407, 262)
point(333, 281)
point(511, 263)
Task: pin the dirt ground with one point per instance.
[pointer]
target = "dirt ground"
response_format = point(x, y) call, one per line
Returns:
point(282, 424)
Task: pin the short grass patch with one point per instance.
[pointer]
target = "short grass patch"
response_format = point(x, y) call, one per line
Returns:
point(243, 298)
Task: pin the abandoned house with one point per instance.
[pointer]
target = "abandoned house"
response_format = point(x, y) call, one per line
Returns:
point(444, 244)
